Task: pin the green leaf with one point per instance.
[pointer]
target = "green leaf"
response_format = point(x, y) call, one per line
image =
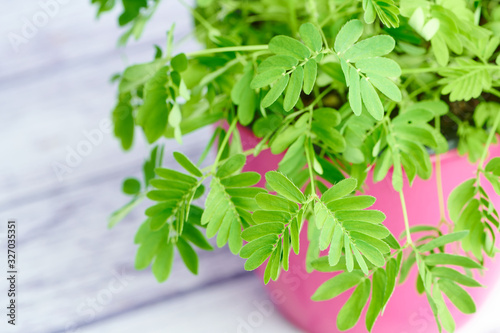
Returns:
point(123, 121)
point(459, 197)
point(351, 203)
point(311, 36)
point(386, 87)
point(371, 216)
point(348, 35)
point(241, 180)
point(377, 299)
point(493, 166)
point(340, 190)
point(244, 96)
point(188, 255)
point(370, 252)
point(275, 92)
point(179, 62)
point(192, 234)
point(261, 230)
point(258, 257)
point(443, 240)
point(451, 259)
point(310, 72)
point(386, 10)
point(458, 296)
point(283, 186)
point(131, 186)
point(232, 165)
point(288, 46)
point(379, 66)
point(254, 245)
point(392, 271)
point(153, 113)
point(266, 78)
point(273, 202)
point(186, 163)
point(294, 88)
point(453, 275)
point(355, 91)
point(283, 62)
point(351, 311)
point(175, 175)
point(163, 263)
point(336, 245)
point(371, 100)
point(337, 285)
point(375, 46)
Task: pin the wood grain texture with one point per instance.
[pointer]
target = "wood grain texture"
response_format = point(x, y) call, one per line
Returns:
point(75, 275)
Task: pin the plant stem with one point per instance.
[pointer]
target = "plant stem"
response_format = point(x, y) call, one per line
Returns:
point(439, 183)
point(224, 143)
point(405, 216)
point(493, 130)
point(435, 69)
point(244, 48)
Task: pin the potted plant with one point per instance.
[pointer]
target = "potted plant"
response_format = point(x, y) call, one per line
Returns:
point(326, 99)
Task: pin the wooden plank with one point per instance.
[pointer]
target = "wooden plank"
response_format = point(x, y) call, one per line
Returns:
point(68, 258)
point(239, 306)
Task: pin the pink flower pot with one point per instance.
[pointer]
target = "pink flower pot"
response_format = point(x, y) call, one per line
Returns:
point(407, 311)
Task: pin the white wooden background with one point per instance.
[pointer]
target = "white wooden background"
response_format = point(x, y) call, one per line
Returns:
point(53, 89)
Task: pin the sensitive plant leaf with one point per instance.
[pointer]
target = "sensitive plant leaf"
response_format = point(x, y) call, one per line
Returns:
point(294, 88)
point(379, 282)
point(375, 46)
point(348, 35)
point(283, 62)
point(379, 66)
point(283, 186)
point(459, 197)
point(258, 257)
point(266, 78)
point(339, 190)
point(285, 45)
point(311, 36)
point(443, 240)
point(355, 91)
point(451, 259)
point(123, 121)
point(276, 90)
point(195, 236)
point(453, 275)
point(371, 100)
point(259, 230)
point(188, 255)
point(351, 311)
point(337, 285)
point(458, 296)
point(386, 10)
point(131, 186)
point(310, 73)
point(163, 262)
point(244, 96)
point(186, 163)
point(153, 113)
point(231, 166)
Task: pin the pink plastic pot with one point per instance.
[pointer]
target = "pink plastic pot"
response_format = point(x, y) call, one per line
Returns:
point(407, 311)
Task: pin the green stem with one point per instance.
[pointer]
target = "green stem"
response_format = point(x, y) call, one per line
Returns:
point(435, 69)
point(244, 48)
point(224, 143)
point(493, 130)
point(405, 216)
